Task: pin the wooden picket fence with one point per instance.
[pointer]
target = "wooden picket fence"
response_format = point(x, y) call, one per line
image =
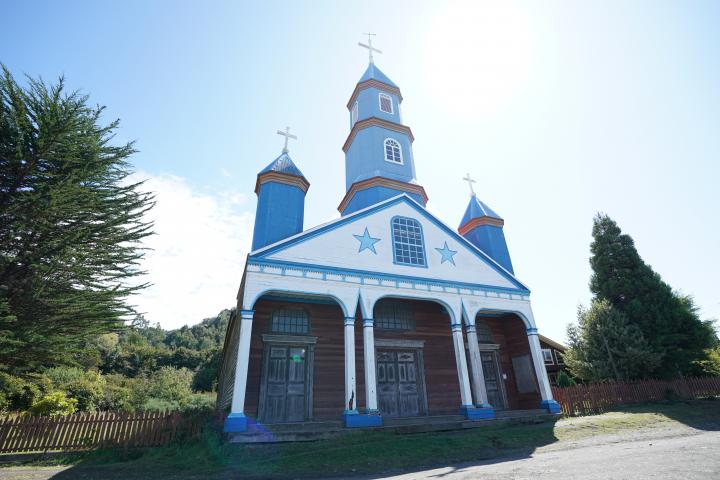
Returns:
point(599, 397)
point(85, 431)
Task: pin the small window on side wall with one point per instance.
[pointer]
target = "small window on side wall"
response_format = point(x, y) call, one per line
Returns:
point(386, 105)
point(354, 114)
point(547, 356)
point(290, 321)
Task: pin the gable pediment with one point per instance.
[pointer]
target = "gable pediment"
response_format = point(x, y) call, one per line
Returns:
point(363, 242)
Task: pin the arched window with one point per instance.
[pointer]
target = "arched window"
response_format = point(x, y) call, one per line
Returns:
point(393, 151)
point(290, 321)
point(393, 315)
point(407, 239)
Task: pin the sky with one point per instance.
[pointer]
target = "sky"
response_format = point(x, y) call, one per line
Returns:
point(559, 110)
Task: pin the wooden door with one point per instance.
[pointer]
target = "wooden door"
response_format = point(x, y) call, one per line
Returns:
point(285, 385)
point(493, 385)
point(398, 384)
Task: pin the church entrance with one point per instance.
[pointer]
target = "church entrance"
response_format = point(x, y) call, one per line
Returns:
point(285, 384)
point(493, 379)
point(399, 383)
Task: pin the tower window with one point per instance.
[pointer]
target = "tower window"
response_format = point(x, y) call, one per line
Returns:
point(393, 151)
point(386, 103)
point(354, 114)
point(408, 245)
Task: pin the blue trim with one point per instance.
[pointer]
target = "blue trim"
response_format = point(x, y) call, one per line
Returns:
point(303, 237)
point(532, 331)
point(247, 312)
point(383, 276)
point(362, 420)
point(478, 413)
point(235, 423)
point(551, 406)
point(350, 412)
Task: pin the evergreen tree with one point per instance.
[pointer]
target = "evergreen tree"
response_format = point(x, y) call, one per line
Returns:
point(70, 225)
point(604, 345)
point(668, 321)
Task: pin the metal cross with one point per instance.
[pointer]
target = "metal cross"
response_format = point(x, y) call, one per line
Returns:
point(369, 46)
point(287, 135)
point(470, 182)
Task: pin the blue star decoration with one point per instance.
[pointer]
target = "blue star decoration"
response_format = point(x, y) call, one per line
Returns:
point(367, 242)
point(447, 254)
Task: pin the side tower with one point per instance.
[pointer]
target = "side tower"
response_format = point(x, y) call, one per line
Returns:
point(281, 189)
point(484, 229)
point(379, 160)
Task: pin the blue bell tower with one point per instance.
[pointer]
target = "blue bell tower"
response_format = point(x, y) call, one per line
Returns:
point(379, 161)
point(482, 227)
point(281, 189)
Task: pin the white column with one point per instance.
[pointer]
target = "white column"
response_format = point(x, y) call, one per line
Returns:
point(539, 363)
point(369, 356)
point(350, 393)
point(241, 365)
point(461, 362)
point(478, 377)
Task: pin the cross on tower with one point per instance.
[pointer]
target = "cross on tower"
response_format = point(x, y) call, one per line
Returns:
point(470, 182)
point(369, 46)
point(287, 135)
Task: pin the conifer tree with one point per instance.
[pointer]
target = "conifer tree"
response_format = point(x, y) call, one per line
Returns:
point(668, 321)
point(70, 224)
point(604, 346)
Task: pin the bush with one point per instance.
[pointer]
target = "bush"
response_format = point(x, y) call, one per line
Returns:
point(564, 380)
point(17, 393)
point(172, 385)
point(88, 387)
point(54, 404)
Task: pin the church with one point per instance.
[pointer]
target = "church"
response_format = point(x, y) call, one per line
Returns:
point(384, 313)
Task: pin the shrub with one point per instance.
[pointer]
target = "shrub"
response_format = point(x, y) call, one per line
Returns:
point(88, 387)
point(564, 380)
point(54, 404)
point(18, 393)
point(172, 385)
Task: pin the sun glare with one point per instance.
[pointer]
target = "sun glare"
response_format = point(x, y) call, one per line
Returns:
point(479, 54)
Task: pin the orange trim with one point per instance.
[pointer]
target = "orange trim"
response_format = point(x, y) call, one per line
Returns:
point(376, 122)
point(280, 177)
point(370, 84)
point(476, 222)
point(381, 182)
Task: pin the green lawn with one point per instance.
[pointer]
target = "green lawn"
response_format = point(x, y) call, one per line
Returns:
point(373, 452)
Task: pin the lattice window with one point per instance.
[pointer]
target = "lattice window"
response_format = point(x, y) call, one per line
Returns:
point(483, 332)
point(386, 103)
point(407, 237)
point(290, 321)
point(391, 315)
point(393, 151)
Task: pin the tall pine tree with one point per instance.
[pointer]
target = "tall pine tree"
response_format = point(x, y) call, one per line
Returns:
point(668, 321)
point(70, 225)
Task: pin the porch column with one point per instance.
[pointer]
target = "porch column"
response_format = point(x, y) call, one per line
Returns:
point(461, 362)
point(236, 421)
point(369, 356)
point(481, 399)
point(542, 378)
point(350, 394)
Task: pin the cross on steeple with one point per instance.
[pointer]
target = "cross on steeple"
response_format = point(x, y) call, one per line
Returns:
point(287, 135)
point(369, 46)
point(470, 182)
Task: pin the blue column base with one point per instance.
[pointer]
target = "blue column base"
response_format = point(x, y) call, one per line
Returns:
point(484, 412)
point(551, 406)
point(357, 420)
point(235, 423)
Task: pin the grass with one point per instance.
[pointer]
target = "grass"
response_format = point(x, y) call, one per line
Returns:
point(368, 452)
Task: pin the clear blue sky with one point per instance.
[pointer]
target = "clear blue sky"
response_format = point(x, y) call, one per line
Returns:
point(559, 109)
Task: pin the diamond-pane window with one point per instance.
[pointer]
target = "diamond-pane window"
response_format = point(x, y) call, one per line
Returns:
point(386, 103)
point(290, 321)
point(390, 315)
point(408, 245)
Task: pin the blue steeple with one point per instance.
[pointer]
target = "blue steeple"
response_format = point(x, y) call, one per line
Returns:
point(484, 229)
point(379, 161)
point(281, 189)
